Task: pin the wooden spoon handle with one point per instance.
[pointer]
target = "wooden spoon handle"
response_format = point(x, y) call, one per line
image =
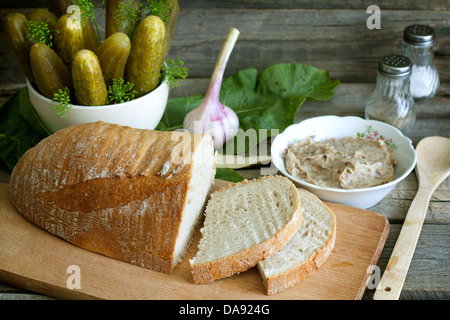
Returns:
point(238, 162)
point(391, 282)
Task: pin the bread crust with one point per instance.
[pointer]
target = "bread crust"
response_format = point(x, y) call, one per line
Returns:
point(107, 188)
point(278, 283)
point(248, 258)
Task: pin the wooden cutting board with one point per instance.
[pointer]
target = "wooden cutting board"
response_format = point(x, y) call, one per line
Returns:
point(36, 260)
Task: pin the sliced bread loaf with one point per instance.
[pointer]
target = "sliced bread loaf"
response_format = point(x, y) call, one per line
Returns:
point(130, 194)
point(306, 251)
point(244, 223)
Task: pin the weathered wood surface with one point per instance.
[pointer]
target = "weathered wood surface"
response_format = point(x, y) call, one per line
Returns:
point(428, 277)
point(331, 35)
point(44, 259)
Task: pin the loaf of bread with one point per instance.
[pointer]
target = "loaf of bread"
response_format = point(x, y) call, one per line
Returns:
point(131, 194)
point(244, 223)
point(306, 251)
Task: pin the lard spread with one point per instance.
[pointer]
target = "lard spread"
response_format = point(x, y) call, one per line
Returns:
point(345, 163)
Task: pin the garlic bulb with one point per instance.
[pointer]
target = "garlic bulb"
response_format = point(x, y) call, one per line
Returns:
point(212, 117)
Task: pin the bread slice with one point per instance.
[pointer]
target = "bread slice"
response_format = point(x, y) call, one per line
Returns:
point(131, 194)
point(306, 251)
point(245, 222)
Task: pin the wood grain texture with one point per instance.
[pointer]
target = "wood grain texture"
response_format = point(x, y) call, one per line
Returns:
point(391, 284)
point(427, 277)
point(267, 4)
point(433, 118)
point(26, 261)
point(335, 40)
point(330, 36)
point(433, 166)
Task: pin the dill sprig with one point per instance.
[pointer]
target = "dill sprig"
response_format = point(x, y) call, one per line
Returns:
point(174, 72)
point(160, 8)
point(38, 32)
point(87, 9)
point(63, 97)
point(128, 16)
point(120, 91)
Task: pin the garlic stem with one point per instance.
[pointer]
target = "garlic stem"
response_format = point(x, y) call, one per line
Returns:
point(221, 63)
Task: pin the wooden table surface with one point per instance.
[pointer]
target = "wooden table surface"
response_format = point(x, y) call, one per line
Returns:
point(429, 273)
point(329, 37)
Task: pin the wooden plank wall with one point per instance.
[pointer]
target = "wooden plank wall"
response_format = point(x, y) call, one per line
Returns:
point(329, 34)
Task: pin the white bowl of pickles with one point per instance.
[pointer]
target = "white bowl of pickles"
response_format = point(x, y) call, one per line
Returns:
point(305, 154)
point(142, 113)
point(74, 77)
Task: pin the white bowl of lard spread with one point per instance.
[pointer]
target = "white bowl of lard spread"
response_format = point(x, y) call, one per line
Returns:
point(346, 160)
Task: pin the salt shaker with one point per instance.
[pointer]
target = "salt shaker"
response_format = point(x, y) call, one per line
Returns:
point(391, 102)
point(418, 42)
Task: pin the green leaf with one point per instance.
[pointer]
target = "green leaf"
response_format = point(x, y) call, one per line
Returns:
point(245, 93)
point(262, 100)
point(293, 80)
point(228, 175)
point(20, 128)
point(176, 110)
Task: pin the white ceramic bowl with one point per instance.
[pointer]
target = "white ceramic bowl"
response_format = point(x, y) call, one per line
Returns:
point(321, 128)
point(142, 113)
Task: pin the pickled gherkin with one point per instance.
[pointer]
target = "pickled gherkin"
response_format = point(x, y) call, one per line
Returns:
point(15, 26)
point(62, 7)
point(49, 71)
point(143, 68)
point(113, 54)
point(170, 26)
point(90, 39)
point(68, 38)
point(58, 7)
point(43, 15)
point(113, 22)
point(88, 82)
point(138, 38)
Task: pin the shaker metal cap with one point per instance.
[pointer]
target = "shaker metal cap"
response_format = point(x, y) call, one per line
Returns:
point(419, 35)
point(395, 66)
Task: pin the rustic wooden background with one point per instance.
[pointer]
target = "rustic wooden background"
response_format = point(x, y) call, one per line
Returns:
point(331, 35)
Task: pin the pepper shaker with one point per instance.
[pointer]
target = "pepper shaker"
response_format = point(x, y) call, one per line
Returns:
point(418, 42)
point(391, 102)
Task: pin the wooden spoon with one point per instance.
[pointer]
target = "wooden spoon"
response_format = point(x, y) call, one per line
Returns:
point(433, 166)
